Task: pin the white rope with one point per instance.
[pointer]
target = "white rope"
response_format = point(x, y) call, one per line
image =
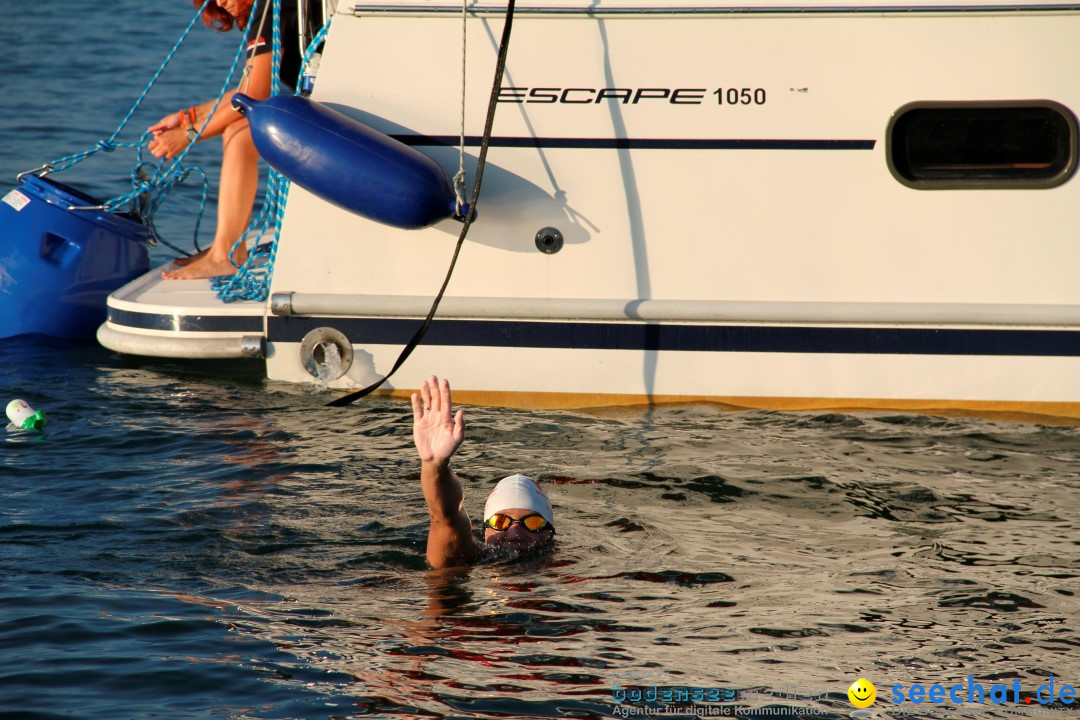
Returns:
point(301, 26)
point(459, 178)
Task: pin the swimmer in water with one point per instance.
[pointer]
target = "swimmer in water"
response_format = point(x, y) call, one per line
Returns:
point(517, 516)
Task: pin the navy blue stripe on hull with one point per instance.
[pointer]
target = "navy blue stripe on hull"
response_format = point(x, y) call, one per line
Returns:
point(187, 323)
point(699, 338)
point(637, 143)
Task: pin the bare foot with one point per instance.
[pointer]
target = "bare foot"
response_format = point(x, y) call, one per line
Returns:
point(188, 259)
point(201, 268)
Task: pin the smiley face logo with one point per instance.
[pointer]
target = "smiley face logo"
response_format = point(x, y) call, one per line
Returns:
point(862, 693)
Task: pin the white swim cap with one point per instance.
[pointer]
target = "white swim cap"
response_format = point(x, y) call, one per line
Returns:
point(518, 491)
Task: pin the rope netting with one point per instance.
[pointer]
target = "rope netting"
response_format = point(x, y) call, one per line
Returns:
point(152, 181)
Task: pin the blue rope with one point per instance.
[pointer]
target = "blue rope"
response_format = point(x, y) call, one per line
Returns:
point(152, 182)
point(150, 189)
point(161, 69)
point(166, 176)
point(111, 144)
point(252, 279)
point(251, 282)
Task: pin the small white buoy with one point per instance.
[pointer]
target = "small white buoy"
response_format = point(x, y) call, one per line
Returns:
point(23, 417)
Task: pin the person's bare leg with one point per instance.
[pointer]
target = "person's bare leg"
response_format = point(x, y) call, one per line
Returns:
point(236, 198)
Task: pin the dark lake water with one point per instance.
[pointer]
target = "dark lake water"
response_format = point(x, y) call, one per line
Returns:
point(188, 540)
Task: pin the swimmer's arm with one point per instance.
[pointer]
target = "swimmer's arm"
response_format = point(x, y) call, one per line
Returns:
point(450, 538)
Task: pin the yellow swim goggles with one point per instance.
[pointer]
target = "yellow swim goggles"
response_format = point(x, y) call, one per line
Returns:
point(533, 523)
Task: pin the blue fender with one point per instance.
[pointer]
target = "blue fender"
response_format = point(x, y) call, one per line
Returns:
point(347, 163)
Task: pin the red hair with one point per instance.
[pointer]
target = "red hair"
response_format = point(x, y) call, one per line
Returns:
point(216, 17)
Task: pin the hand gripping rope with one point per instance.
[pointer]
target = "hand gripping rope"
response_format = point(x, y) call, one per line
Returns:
point(150, 183)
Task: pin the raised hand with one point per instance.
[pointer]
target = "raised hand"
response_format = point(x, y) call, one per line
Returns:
point(436, 433)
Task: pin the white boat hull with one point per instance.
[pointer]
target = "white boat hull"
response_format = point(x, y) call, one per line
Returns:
point(181, 319)
point(760, 254)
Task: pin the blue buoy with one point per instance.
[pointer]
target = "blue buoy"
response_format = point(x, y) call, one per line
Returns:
point(346, 163)
point(57, 265)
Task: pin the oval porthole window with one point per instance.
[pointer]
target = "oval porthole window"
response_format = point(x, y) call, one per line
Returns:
point(982, 145)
